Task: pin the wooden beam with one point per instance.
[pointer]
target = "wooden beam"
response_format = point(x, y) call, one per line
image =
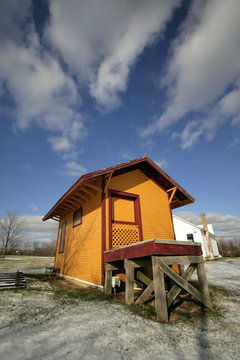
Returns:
point(172, 195)
point(203, 283)
point(61, 212)
point(145, 294)
point(81, 197)
point(169, 190)
point(182, 259)
point(159, 290)
point(94, 187)
point(143, 278)
point(175, 290)
point(74, 202)
point(108, 181)
point(111, 267)
point(86, 193)
point(108, 280)
point(65, 205)
point(182, 282)
point(129, 293)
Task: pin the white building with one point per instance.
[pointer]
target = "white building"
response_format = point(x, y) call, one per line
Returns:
point(185, 230)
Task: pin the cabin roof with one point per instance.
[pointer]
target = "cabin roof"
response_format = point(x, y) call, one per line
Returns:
point(85, 187)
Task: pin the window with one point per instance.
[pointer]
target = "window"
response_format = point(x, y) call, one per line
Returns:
point(77, 217)
point(63, 229)
point(190, 237)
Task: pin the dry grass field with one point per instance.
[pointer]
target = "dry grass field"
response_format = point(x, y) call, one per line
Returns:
point(54, 319)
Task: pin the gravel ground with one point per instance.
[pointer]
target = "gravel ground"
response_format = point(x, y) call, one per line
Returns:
point(37, 324)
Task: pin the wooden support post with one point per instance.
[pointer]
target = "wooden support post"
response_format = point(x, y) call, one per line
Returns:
point(203, 283)
point(129, 291)
point(160, 293)
point(108, 280)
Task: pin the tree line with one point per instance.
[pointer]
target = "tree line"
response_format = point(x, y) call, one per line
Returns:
point(229, 247)
point(12, 230)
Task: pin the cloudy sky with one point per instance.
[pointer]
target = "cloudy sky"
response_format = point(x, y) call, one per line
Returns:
point(87, 84)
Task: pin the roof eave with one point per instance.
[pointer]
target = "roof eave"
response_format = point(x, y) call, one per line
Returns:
point(188, 198)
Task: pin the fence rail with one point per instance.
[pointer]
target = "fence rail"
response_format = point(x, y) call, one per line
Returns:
point(12, 280)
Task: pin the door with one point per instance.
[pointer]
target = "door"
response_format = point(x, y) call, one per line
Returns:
point(124, 219)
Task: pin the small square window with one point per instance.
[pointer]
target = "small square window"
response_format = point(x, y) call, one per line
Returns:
point(77, 217)
point(190, 237)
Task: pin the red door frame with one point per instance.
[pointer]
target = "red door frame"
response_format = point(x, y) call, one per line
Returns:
point(137, 212)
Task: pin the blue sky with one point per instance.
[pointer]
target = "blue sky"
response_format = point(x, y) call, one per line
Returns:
point(89, 84)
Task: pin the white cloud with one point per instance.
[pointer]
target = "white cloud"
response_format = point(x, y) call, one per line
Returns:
point(128, 155)
point(189, 135)
point(230, 103)
point(101, 40)
point(33, 207)
point(236, 121)
point(42, 92)
point(161, 163)
point(60, 143)
point(36, 230)
point(204, 63)
point(73, 169)
point(227, 226)
point(234, 142)
point(73, 155)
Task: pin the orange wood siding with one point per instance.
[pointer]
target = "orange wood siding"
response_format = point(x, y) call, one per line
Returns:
point(123, 210)
point(81, 257)
point(155, 211)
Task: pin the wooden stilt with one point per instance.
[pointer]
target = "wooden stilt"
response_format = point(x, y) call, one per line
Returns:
point(129, 291)
point(160, 293)
point(108, 280)
point(204, 284)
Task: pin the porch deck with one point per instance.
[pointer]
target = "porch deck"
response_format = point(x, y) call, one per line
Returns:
point(159, 254)
point(153, 247)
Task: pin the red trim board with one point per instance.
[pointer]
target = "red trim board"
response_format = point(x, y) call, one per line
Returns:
point(153, 247)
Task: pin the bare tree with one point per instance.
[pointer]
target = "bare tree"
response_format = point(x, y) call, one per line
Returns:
point(11, 230)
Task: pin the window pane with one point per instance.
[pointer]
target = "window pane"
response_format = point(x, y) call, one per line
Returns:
point(190, 237)
point(77, 217)
point(63, 228)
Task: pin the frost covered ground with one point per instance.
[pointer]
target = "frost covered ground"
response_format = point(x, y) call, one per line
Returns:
point(26, 264)
point(44, 322)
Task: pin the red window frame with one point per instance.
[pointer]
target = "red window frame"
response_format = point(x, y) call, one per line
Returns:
point(137, 212)
point(81, 210)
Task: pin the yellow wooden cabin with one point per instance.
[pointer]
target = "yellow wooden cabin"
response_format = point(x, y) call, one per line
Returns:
point(109, 208)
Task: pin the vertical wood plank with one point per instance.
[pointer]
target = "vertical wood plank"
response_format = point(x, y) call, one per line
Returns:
point(160, 293)
point(202, 279)
point(129, 291)
point(108, 281)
